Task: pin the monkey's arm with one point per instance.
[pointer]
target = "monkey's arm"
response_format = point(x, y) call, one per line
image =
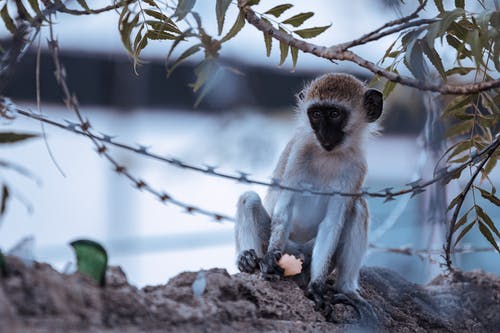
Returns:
point(327, 238)
point(280, 230)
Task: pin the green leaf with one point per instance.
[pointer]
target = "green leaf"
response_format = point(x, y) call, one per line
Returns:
point(125, 27)
point(414, 59)
point(459, 29)
point(152, 3)
point(460, 159)
point(489, 166)
point(462, 51)
point(159, 16)
point(186, 54)
point(140, 42)
point(460, 148)
point(487, 220)
point(203, 72)
point(458, 103)
point(35, 6)
point(459, 70)
point(464, 232)
point(236, 28)
point(476, 48)
point(179, 38)
point(490, 196)
point(160, 35)
point(11, 137)
point(311, 32)
point(5, 199)
point(278, 10)
point(388, 51)
point(9, 24)
point(389, 86)
point(447, 18)
point(454, 202)
point(183, 8)
point(295, 56)
point(283, 51)
point(461, 222)
point(460, 128)
point(268, 40)
point(92, 259)
point(410, 37)
point(439, 5)
point(299, 19)
point(487, 234)
point(23, 12)
point(208, 85)
point(163, 26)
point(83, 4)
point(221, 7)
point(434, 58)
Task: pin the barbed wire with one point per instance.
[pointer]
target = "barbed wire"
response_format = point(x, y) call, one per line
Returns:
point(388, 194)
point(72, 104)
point(427, 254)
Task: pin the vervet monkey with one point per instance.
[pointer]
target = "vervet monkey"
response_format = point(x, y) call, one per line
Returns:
point(328, 232)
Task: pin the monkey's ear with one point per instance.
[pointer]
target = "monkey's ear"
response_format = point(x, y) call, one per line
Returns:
point(300, 95)
point(373, 101)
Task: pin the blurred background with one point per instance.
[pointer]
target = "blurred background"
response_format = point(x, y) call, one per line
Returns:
point(241, 126)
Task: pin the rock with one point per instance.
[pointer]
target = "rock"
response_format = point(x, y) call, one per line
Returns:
point(39, 299)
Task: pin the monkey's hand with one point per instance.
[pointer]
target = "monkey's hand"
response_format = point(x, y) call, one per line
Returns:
point(316, 291)
point(269, 267)
point(248, 261)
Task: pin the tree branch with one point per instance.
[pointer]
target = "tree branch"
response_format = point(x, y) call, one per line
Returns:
point(402, 23)
point(372, 36)
point(63, 9)
point(337, 52)
point(462, 195)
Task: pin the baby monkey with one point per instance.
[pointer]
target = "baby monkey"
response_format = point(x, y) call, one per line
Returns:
point(328, 232)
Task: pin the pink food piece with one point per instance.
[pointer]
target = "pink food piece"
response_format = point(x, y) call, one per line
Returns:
point(290, 264)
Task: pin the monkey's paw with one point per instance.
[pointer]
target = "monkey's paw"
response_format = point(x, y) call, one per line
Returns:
point(248, 261)
point(269, 267)
point(316, 291)
point(364, 310)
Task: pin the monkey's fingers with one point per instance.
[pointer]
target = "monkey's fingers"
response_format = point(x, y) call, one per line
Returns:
point(343, 299)
point(269, 266)
point(364, 310)
point(248, 261)
point(366, 313)
point(316, 294)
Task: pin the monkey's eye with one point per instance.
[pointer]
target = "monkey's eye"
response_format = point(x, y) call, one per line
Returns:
point(334, 114)
point(316, 114)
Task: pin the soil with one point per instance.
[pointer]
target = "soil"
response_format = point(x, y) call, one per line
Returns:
point(40, 299)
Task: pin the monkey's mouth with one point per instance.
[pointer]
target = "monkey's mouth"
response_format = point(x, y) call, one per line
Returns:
point(331, 144)
point(327, 146)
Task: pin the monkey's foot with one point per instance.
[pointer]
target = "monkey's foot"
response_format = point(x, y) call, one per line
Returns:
point(248, 261)
point(367, 315)
point(269, 268)
point(316, 292)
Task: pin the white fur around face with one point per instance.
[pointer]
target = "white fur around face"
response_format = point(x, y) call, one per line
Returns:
point(357, 129)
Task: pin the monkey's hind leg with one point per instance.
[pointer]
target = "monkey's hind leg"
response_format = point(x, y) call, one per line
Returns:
point(252, 231)
point(348, 260)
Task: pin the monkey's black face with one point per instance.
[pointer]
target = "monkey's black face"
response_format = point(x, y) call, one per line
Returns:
point(328, 122)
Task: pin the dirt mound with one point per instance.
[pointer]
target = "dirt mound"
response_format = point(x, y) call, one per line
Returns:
point(39, 299)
